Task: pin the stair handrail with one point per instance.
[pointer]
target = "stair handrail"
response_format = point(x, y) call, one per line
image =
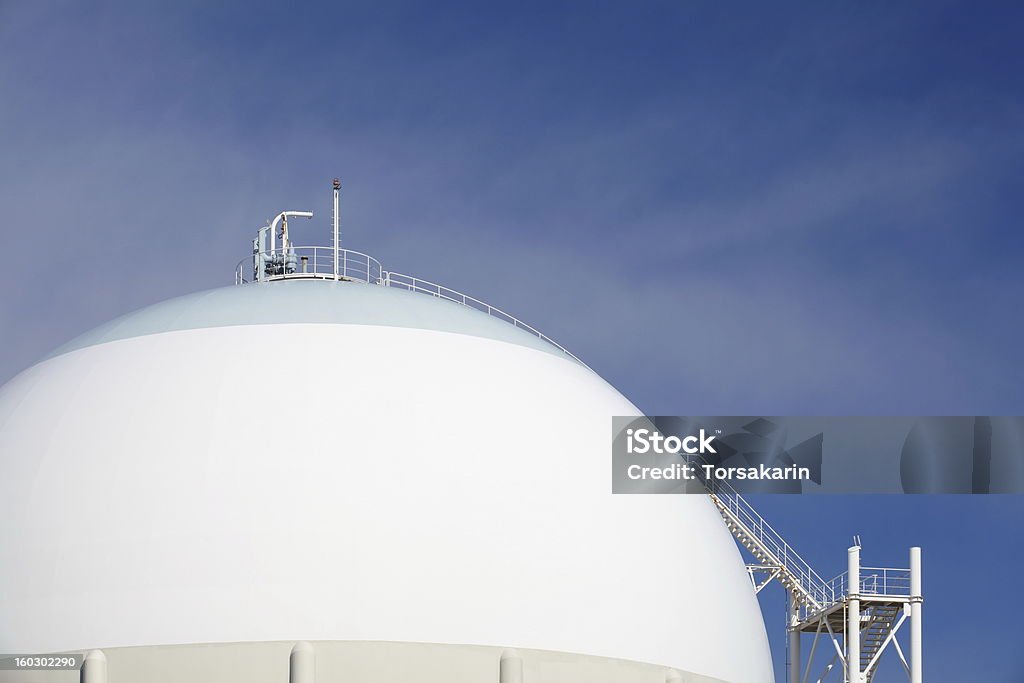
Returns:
point(811, 588)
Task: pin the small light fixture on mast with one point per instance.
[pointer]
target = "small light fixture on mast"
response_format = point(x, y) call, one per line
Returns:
point(337, 234)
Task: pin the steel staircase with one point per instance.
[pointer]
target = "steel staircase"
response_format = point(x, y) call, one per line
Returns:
point(767, 545)
point(819, 606)
point(882, 617)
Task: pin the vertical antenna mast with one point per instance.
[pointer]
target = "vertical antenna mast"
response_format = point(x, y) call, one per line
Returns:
point(337, 235)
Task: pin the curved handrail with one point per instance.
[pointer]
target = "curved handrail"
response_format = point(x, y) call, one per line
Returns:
point(309, 262)
point(815, 589)
point(415, 284)
point(319, 263)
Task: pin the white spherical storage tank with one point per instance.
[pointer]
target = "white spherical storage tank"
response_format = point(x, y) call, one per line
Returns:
point(340, 461)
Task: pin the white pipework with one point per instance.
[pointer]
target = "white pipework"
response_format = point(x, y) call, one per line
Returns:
point(853, 674)
point(916, 674)
point(794, 638)
point(280, 217)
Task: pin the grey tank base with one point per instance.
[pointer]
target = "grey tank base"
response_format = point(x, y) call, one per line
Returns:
point(349, 662)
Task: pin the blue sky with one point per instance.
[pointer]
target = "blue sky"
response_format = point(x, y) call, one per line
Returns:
point(746, 209)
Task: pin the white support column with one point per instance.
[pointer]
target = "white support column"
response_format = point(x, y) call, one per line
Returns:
point(510, 667)
point(916, 600)
point(94, 668)
point(302, 664)
point(853, 611)
point(794, 639)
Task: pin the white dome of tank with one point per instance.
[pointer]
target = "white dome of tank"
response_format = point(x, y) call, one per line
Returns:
point(341, 461)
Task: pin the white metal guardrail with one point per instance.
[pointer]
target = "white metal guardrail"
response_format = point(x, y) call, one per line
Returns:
point(415, 284)
point(308, 262)
point(319, 263)
point(874, 581)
